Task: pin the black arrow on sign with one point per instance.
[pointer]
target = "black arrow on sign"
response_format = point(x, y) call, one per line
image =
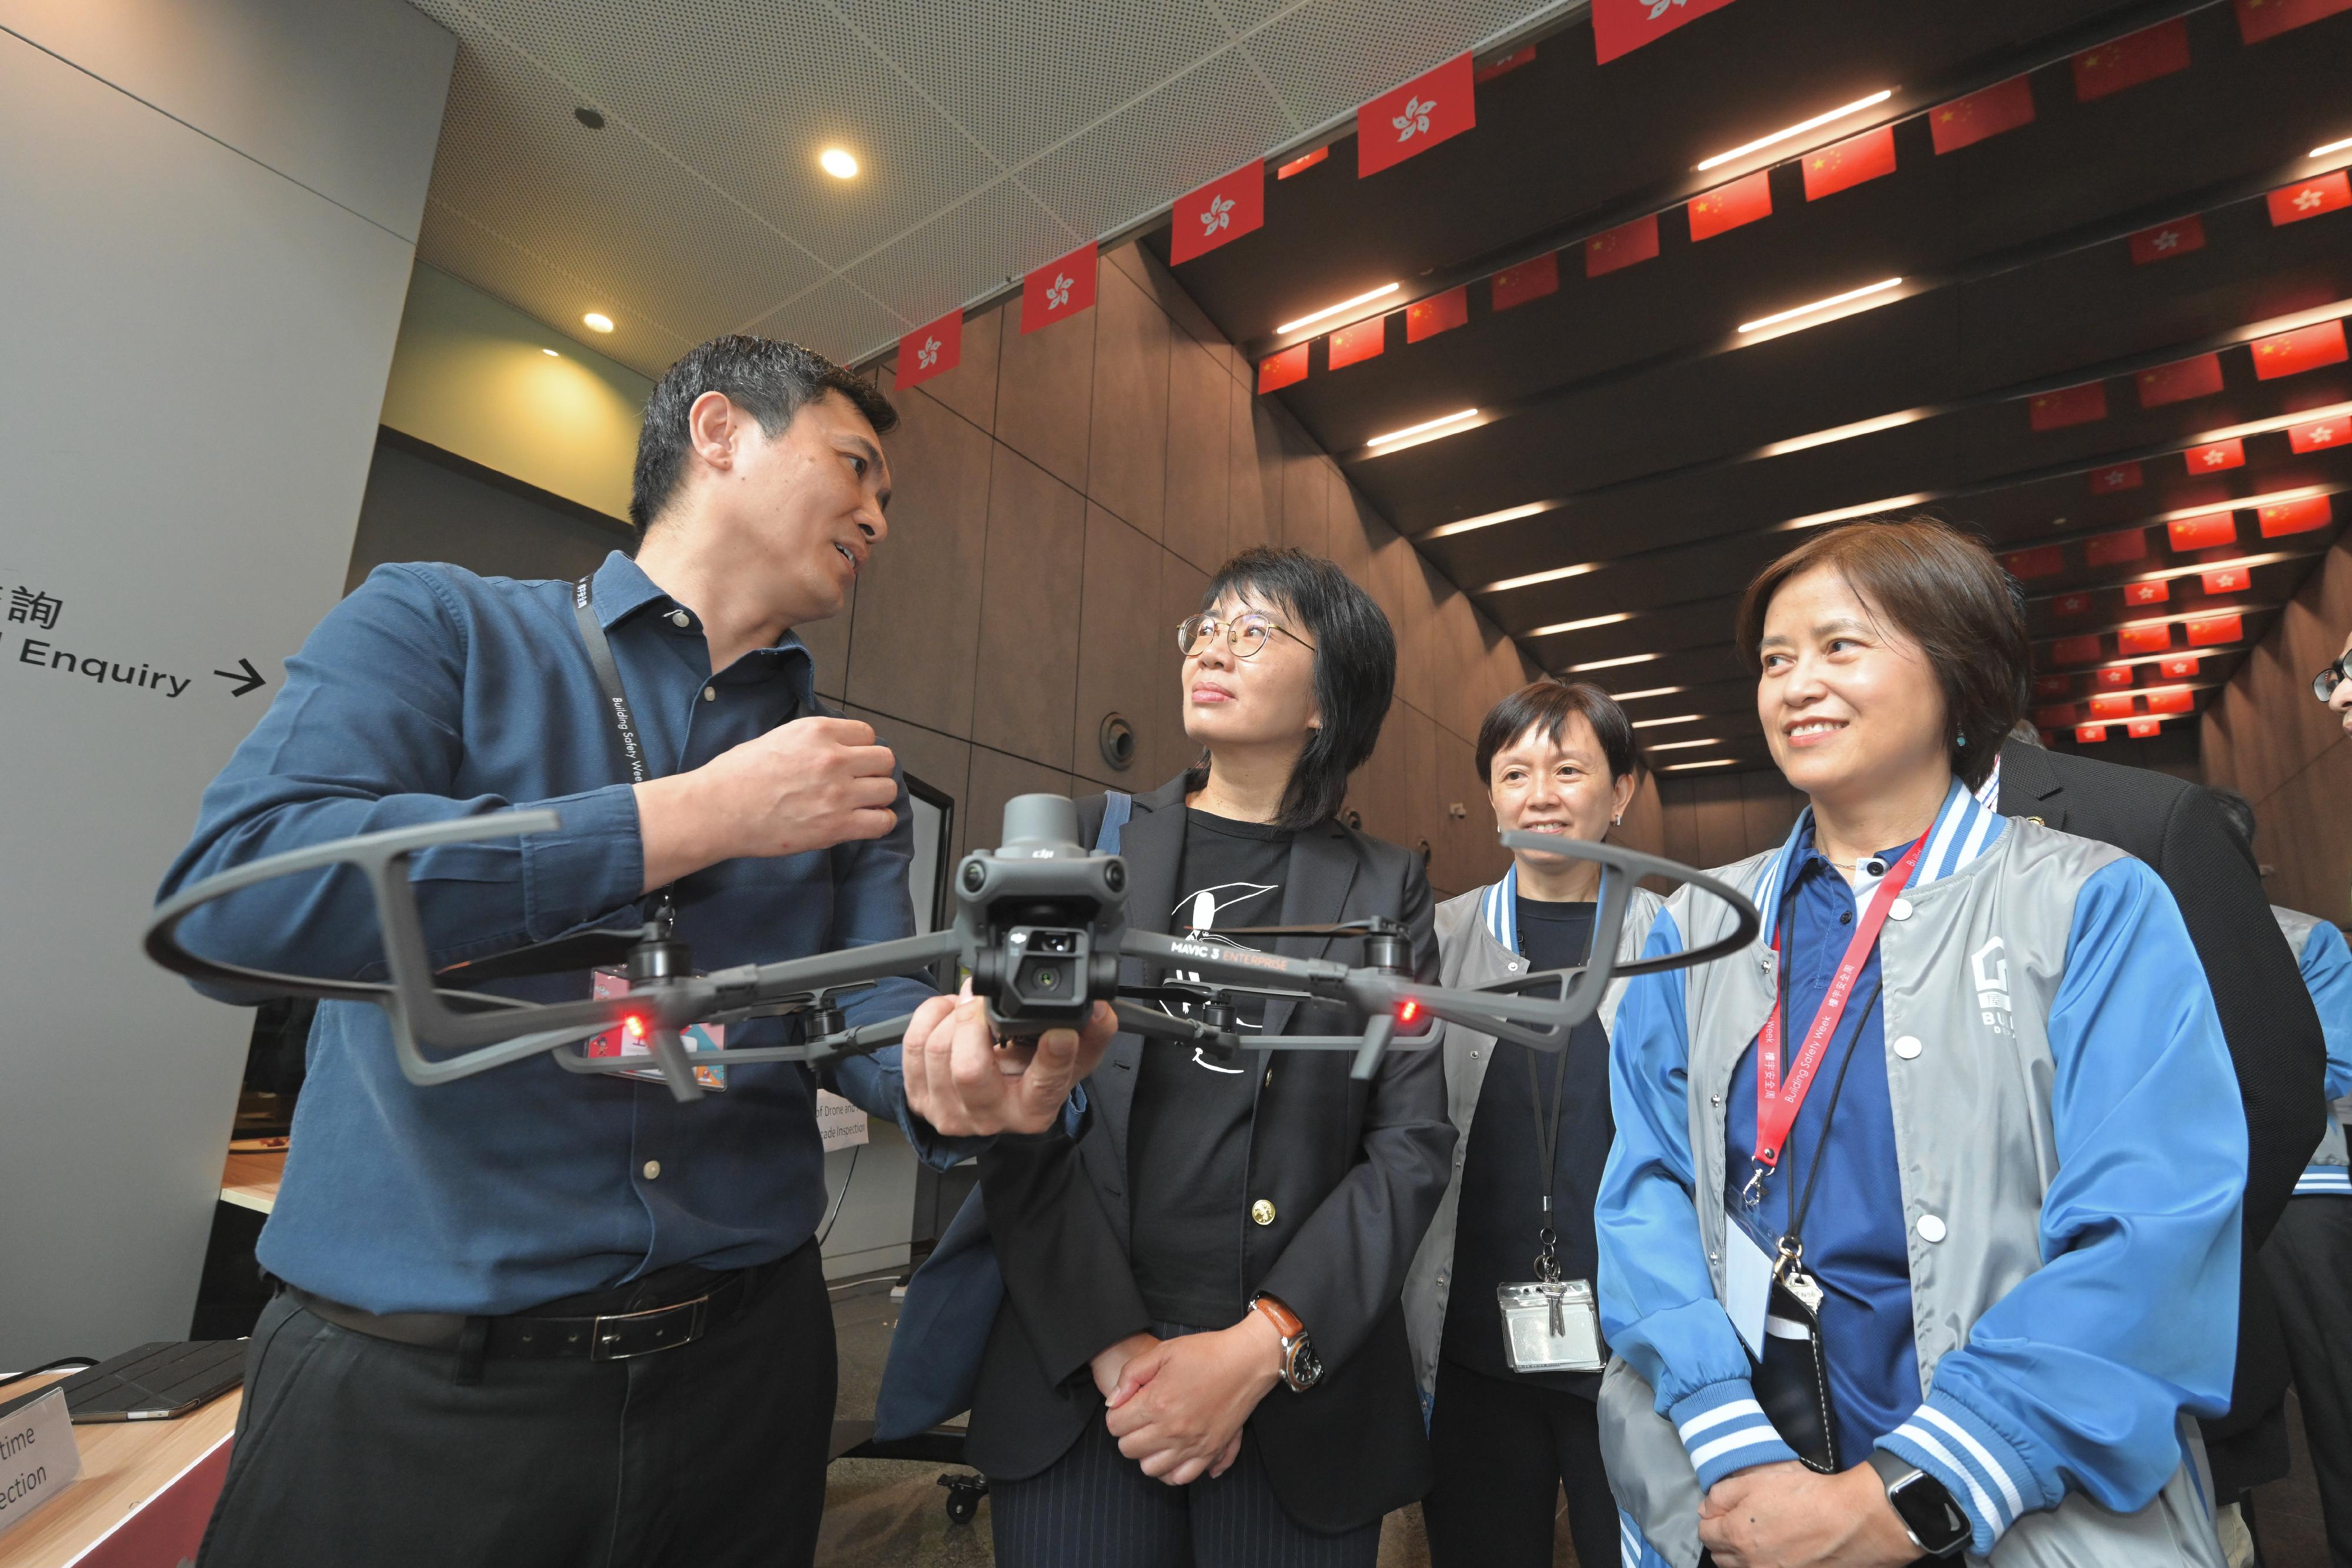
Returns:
point(250, 680)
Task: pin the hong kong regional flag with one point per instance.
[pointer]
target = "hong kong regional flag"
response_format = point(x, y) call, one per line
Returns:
point(1059, 289)
point(931, 351)
point(1218, 211)
point(1422, 113)
point(1620, 26)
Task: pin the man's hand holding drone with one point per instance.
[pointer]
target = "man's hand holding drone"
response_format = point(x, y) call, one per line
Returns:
point(965, 1084)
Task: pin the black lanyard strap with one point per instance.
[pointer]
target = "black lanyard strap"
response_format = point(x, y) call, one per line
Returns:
point(1547, 1142)
point(625, 723)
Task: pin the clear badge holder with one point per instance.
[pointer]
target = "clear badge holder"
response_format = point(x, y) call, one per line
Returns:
point(1550, 1325)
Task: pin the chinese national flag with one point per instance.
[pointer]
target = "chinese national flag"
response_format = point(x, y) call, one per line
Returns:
point(2057, 718)
point(2068, 406)
point(2135, 58)
point(1218, 213)
point(2260, 19)
point(2139, 593)
point(2177, 669)
point(2219, 630)
point(931, 351)
point(1412, 118)
point(1058, 291)
point(1621, 27)
point(1842, 165)
point(1286, 369)
point(2199, 376)
point(2122, 477)
point(2144, 639)
point(2321, 434)
point(1525, 55)
point(2165, 241)
point(2210, 531)
point(2229, 580)
point(2320, 194)
point(1622, 247)
point(1727, 206)
point(2048, 561)
point(2295, 517)
point(2111, 708)
point(2174, 701)
point(2114, 677)
point(2075, 650)
point(2071, 604)
point(1965, 121)
point(1528, 281)
point(1300, 165)
point(2113, 549)
point(2305, 349)
point(1364, 340)
point(1438, 313)
point(2215, 456)
point(2051, 686)
point(2143, 729)
point(2086, 734)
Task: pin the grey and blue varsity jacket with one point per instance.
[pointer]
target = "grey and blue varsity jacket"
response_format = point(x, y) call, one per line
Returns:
point(2326, 965)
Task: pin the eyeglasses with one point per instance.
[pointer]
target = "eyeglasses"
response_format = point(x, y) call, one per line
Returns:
point(1245, 635)
point(2324, 684)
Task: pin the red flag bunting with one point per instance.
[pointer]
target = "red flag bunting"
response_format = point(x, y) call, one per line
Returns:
point(2122, 477)
point(2165, 241)
point(2295, 517)
point(2048, 561)
point(2135, 58)
point(2088, 734)
point(1408, 121)
point(2144, 639)
point(2113, 549)
point(1364, 340)
point(2051, 686)
point(2210, 531)
point(1218, 213)
point(2174, 701)
point(1303, 162)
point(1728, 206)
point(1058, 291)
point(2071, 604)
point(2321, 434)
point(2139, 593)
point(2057, 718)
point(2111, 708)
point(1528, 281)
point(1965, 121)
point(2260, 19)
point(2075, 650)
point(1621, 27)
point(2115, 676)
point(1438, 313)
point(2220, 629)
point(2228, 579)
point(2143, 729)
point(2320, 194)
point(1525, 55)
point(2068, 406)
point(930, 351)
point(1842, 165)
point(2177, 669)
point(2199, 376)
point(1622, 247)
point(2215, 456)
point(1286, 369)
point(2305, 349)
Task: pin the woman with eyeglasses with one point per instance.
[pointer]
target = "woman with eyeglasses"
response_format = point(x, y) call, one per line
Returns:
point(1920, 1236)
point(2333, 686)
point(1201, 1358)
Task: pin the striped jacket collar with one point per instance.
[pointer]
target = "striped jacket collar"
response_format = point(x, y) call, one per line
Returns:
point(1965, 828)
point(1498, 906)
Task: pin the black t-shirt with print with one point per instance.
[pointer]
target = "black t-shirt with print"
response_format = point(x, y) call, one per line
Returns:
point(1187, 1143)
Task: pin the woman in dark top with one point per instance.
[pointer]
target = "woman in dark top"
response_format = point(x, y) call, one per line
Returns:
point(1556, 758)
point(1201, 1356)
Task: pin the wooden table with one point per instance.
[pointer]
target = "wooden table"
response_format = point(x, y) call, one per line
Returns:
point(250, 1181)
point(126, 1467)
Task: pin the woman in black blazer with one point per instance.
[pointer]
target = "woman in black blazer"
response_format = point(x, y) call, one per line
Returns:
point(1201, 1356)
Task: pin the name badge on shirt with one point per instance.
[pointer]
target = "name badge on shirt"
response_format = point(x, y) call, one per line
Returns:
point(1550, 1325)
point(620, 1042)
point(1746, 1282)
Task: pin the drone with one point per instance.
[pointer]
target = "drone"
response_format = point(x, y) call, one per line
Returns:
point(1040, 927)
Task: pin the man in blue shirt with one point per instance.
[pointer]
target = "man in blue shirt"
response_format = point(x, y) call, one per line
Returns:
point(533, 1316)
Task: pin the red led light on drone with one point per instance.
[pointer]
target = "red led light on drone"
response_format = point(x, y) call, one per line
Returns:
point(1408, 1011)
point(633, 1027)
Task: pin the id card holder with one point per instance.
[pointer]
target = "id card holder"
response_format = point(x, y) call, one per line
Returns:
point(609, 983)
point(1746, 1282)
point(1550, 1327)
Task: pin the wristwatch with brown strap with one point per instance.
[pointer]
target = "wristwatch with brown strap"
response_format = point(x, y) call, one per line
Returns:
point(1301, 1368)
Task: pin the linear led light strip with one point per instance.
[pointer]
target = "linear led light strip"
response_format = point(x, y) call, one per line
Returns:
point(1616, 663)
point(1686, 766)
point(1652, 691)
point(1555, 575)
point(1330, 310)
point(1488, 519)
point(1678, 718)
point(1687, 745)
point(2338, 146)
point(1864, 292)
point(2243, 504)
point(1585, 625)
point(1425, 427)
point(1815, 123)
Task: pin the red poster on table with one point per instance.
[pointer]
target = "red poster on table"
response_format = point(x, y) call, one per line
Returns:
point(1528, 281)
point(931, 351)
point(1727, 207)
point(1058, 291)
point(2137, 639)
point(2305, 348)
point(1621, 27)
point(1965, 121)
point(1218, 213)
point(2068, 406)
point(2135, 58)
point(1622, 247)
point(1410, 120)
point(2198, 376)
point(1842, 165)
point(2165, 241)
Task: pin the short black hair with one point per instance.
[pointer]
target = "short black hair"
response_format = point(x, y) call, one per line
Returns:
point(767, 377)
point(2238, 812)
point(1355, 668)
point(1547, 704)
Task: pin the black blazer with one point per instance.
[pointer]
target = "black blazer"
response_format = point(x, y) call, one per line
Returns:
point(2273, 1030)
point(1354, 1172)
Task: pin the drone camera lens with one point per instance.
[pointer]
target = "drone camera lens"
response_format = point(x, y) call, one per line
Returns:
point(1057, 942)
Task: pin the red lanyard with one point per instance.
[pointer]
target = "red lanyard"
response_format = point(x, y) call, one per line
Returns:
point(1777, 1103)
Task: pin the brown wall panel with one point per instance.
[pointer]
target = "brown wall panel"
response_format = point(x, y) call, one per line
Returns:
point(940, 760)
point(828, 645)
point(1124, 658)
point(1253, 474)
point(1182, 584)
point(1027, 669)
point(1306, 499)
point(1045, 393)
point(1126, 464)
point(1200, 399)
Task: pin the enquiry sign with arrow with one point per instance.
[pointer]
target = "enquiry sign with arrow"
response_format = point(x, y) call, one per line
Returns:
point(249, 680)
point(31, 610)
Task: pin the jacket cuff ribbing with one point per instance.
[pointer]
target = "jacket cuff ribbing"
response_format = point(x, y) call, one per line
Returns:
point(1724, 1429)
point(1984, 1473)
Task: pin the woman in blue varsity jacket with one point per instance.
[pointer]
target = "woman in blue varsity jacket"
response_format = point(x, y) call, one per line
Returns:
point(1919, 1237)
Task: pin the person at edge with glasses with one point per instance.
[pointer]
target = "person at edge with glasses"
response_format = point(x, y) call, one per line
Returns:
point(1513, 1417)
point(1920, 1236)
point(1201, 1356)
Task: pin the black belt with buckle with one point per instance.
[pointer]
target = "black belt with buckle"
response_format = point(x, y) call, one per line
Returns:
point(568, 1332)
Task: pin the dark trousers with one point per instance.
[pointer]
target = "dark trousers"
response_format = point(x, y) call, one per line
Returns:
point(2308, 1263)
point(358, 1451)
point(1094, 1508)
point(1503, 1451)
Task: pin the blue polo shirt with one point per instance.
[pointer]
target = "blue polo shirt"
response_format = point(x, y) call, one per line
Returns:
point(430, 693)
point(1855, 1236)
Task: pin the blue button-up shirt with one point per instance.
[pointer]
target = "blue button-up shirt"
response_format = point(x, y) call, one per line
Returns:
point(432, 693)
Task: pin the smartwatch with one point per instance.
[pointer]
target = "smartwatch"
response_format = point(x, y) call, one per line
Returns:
point(1302, 1369)
point(1934, 1523)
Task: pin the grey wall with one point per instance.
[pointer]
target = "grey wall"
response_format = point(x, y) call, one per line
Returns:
point(212, 212)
